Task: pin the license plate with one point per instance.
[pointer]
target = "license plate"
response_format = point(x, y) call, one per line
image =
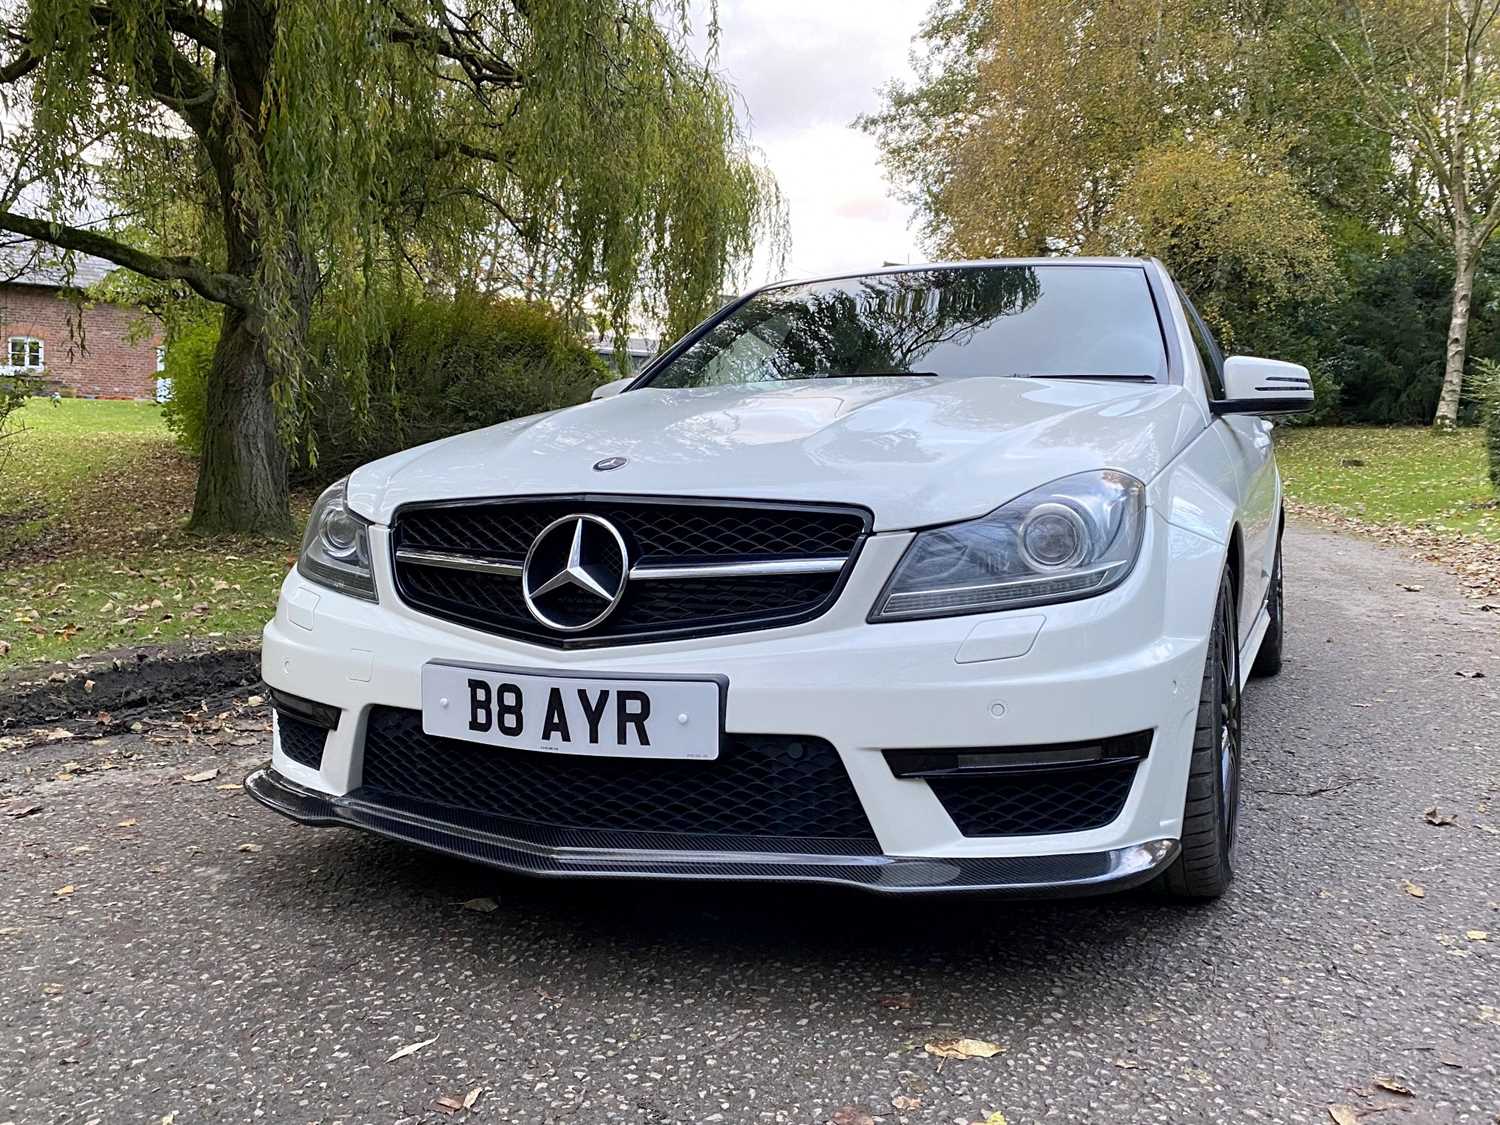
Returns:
point(564, 713)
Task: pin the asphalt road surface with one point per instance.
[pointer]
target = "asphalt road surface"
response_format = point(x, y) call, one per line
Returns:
point(171, 952)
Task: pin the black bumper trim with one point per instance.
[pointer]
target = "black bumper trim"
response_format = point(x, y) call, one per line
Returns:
point(1026, 876)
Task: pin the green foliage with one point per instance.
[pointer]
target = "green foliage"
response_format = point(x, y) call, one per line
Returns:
point(1487, 390)
point(12, 397)
point(189, 363)
point(1238, 233)
point(443, 367)
point(447, 366)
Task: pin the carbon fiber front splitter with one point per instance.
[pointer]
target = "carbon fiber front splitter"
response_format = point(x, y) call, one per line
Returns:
point(538, 852)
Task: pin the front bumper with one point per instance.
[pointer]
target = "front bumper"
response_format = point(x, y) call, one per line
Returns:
point(1126, 661)
point(532, 852)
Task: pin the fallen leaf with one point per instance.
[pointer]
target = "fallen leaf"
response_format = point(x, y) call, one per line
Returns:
point(128, 823)
point(963, 1049)
point(17, 810)
point(482, 905)
point(229, 787)
point(88, 685)
point(1413, 889)
point(64, 892)
point(203, 775)
point(255, 700)
point(851, 1115)
point(1440, 819)
point(1410, 588)
point(412, 1049)
point(472, 1097)
point(248, 848)
point(1477, 935)
point(448, 1104)
point(1393, 1084)
point(1344, 1114)
point(1126, 1064)
point(901, 1103)
point(996, 1118)
point(896, 1000)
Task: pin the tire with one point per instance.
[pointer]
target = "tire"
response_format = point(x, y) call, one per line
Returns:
point(1204, 868)
point(1268, 659)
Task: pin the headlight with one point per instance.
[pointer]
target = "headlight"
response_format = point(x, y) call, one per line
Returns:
point(1073, 538)
point(336, 547)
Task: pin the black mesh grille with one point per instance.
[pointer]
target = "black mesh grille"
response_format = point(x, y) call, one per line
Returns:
point(1032, 804)
point(760, 786)
point(301, 742)
point(655, 534)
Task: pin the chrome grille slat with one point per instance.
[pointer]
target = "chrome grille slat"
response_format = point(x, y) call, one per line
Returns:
point(697, 567)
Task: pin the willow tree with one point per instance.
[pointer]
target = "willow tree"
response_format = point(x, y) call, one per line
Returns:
point(282, 156)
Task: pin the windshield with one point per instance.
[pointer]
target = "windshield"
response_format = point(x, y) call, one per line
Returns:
point(1070, 321)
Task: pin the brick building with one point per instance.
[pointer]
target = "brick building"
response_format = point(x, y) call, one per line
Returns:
point(92, 349)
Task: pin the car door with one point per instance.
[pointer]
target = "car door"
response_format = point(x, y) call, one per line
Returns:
point(1248, 439)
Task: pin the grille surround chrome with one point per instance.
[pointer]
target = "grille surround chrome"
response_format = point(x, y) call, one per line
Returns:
point(815, 549)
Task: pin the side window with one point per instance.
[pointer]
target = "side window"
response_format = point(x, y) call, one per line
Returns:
point(1207, 347)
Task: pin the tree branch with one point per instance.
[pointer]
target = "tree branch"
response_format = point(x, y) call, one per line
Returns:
point(19, 68)
point(195, 25)
point(221, 288)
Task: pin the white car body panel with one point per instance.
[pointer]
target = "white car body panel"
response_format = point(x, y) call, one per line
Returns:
point(917, 452)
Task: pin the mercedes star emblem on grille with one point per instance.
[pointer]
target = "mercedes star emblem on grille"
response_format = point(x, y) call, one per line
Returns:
point(575, 573)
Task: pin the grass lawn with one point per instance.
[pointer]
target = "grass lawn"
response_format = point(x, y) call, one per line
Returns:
point(1411, 476)
point(93, 554)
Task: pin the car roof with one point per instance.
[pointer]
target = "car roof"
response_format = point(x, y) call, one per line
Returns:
point(965, 264)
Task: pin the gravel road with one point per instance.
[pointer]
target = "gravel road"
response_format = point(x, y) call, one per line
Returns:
point(169, 952)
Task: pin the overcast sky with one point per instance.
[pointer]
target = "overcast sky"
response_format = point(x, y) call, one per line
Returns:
point(806, 69)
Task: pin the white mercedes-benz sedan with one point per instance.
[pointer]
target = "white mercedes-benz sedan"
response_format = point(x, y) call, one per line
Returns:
point(940, 578)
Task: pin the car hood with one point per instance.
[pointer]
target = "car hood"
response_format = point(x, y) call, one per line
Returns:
point(914, 450)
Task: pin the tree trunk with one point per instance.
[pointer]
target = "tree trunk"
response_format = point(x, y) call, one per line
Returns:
point(242, 474)
point(1458, 334)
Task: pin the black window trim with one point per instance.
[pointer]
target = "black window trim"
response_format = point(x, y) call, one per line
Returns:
point(1214, 379)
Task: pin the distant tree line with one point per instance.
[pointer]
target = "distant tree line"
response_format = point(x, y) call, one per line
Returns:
point(1323, 176)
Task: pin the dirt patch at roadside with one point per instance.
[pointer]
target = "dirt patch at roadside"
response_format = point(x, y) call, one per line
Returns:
point(105, 690)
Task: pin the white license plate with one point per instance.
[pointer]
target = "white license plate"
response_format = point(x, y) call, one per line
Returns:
point(571, 714)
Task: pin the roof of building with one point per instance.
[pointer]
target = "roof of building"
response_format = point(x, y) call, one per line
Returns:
point(23, 262)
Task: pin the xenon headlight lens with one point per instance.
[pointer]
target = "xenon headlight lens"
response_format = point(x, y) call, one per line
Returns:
point(336, 547)
point(1073, 538)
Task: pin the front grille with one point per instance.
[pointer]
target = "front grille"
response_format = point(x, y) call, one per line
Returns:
point(681, 533)
point(1037, 802)
point(301, 741)
point(761, 788)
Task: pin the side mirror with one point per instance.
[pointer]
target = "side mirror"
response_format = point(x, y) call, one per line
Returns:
point(609, 390)
point(1264, 386)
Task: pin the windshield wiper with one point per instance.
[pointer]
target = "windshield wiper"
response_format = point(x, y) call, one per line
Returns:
point(1086, 375)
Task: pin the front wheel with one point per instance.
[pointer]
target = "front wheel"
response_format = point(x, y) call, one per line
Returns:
point(1204, 868)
